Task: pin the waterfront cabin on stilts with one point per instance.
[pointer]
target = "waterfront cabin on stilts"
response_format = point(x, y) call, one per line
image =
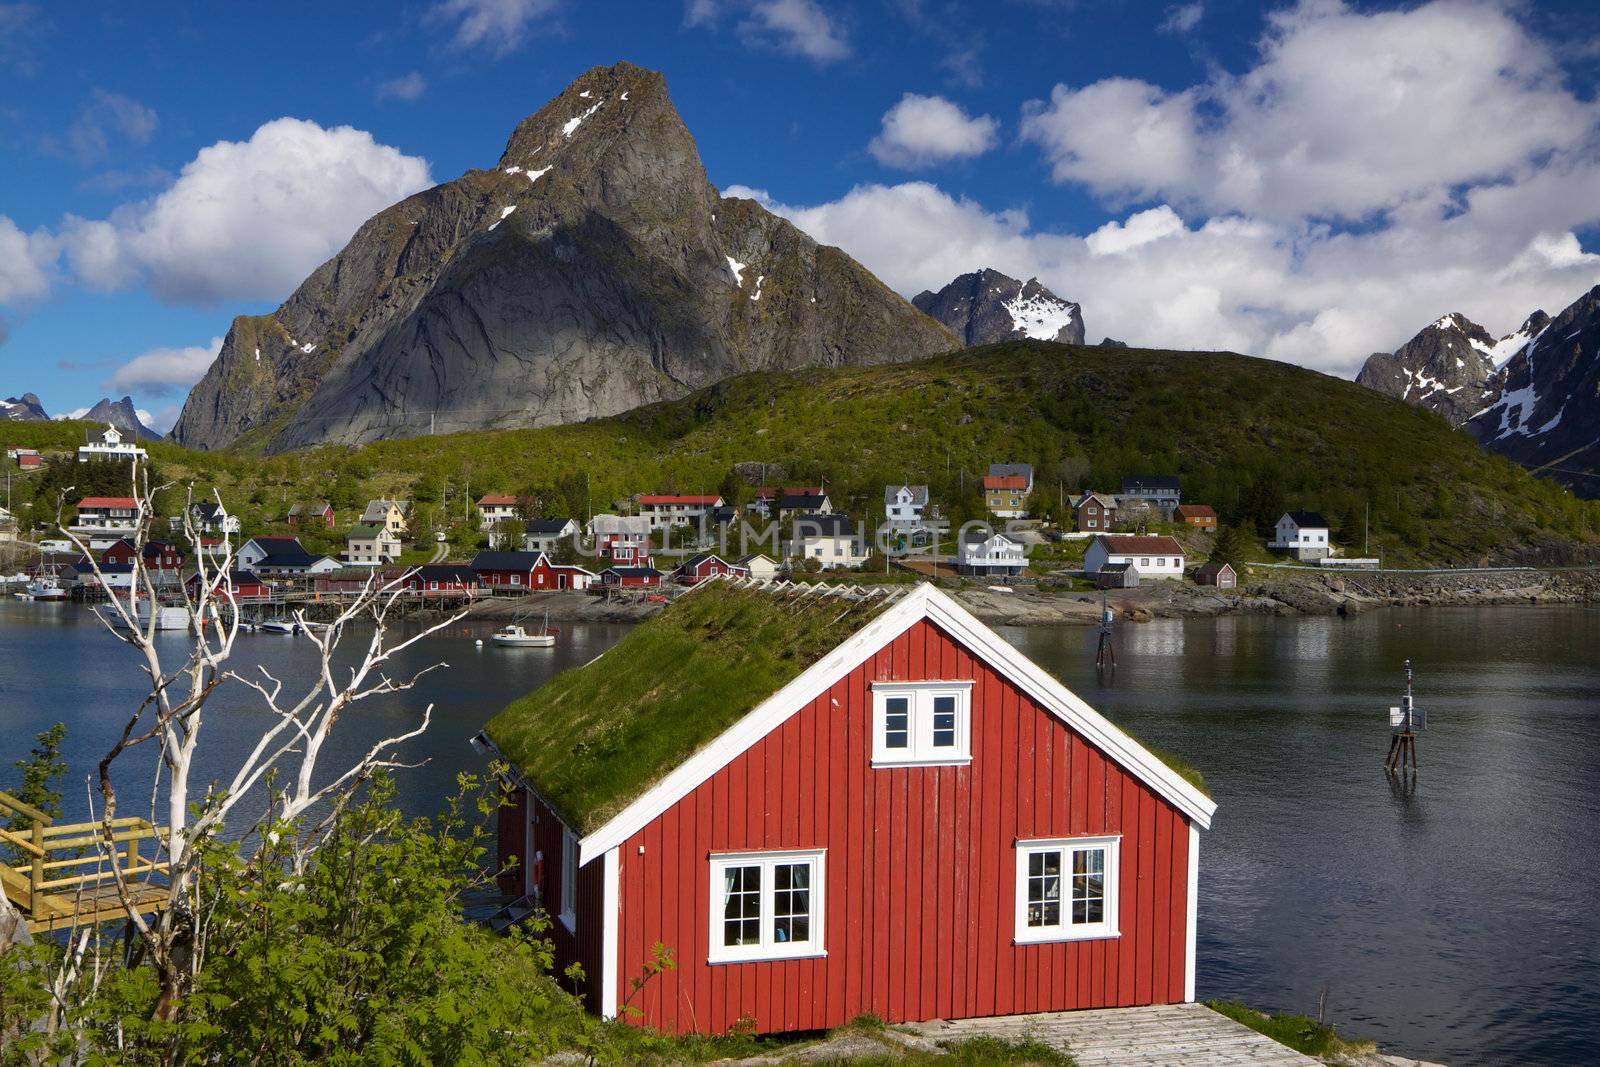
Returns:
point(829, 801)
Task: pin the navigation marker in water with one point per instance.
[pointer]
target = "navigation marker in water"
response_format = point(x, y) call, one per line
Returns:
point(1405, 720)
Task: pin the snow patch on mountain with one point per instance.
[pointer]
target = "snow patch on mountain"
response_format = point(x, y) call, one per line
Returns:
point(1039, 316)
point(738, 271)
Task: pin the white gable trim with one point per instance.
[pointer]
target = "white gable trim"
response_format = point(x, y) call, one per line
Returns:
point(1193, 911)
point(925, 602)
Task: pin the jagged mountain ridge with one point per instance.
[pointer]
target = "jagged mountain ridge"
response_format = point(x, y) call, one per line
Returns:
point(123, 415)
point(24, 408)
point(595, 268)
point(987, 307)
point(1449, 367)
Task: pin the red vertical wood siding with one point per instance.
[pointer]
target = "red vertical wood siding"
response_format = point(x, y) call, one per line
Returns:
point(583, 944)
point(511, 824)
point(920, 869)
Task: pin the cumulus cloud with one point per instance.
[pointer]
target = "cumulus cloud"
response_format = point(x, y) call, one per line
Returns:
point(1292, 291)
point(245, 220)
point(105, 118)
point(501, 25)
point(1344, 114)
point(1182, 18)
point(24, 263)
point(408, 86)
point(923, 130)
point(162, 372)
point(798, 27)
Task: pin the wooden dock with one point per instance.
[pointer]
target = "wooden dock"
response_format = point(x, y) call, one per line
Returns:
point(62, 874)
point(1163, 1035)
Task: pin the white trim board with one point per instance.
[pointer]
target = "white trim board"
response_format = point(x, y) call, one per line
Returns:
point(924, 602)
point(1193, 911)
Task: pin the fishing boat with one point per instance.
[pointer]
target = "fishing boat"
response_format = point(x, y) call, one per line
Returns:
point(516, 635)
point(167, 616)
point(46, 588)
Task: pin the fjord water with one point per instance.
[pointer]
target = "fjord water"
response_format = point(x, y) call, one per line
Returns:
point(1459, 921)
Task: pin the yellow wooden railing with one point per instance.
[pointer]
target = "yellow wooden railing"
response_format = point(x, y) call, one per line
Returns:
point(65, 873)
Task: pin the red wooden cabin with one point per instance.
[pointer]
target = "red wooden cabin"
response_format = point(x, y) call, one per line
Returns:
point(631, 577)
point(918, 823)
point(698, 568)
point(158, 555)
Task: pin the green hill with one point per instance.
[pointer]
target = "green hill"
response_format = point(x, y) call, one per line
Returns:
point(1250, 436)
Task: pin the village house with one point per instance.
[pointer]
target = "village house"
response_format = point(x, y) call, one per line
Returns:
point(105, 516)
point(545, 535)
point(800, 501)
point(495, 508)
point(1094, 513)
point(831, 540)
point(244, 585)
point(1197, 515)
point(990, 555)
point(109, 444)
point(665, 510)
point(370, 546)
point(1304, 533)
point(1155, 556)
point(630, 577)
point(1006, 488)
point(1162, 491)
point(1221, 575)
point(1117, 576)
point(1040, 858)
point(768, 497)
point(442, 580)
point(621, 539)
point(527, 572)
point(158, 555)
point(282, 557)
point(389, 514)
point(904, 505)
point(27, 458)
point(208, 516)
point(316, 511)
point(760, 565)
point(704, 565)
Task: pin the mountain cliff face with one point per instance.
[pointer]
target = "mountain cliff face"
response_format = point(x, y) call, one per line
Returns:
point(1546, 410)
point(1450, 367)
point(123, 415)
point(24, 408)
point(595, 268)
point(987, 307)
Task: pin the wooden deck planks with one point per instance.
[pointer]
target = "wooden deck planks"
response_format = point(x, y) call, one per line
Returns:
point(1165, 1035)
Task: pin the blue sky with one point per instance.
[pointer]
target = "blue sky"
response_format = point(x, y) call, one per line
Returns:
point(1305, 181)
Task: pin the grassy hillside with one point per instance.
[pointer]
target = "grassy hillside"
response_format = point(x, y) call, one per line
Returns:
point(1252, 437)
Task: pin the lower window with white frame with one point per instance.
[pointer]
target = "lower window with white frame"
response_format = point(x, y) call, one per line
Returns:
point(1067, 888)
point(766, 905)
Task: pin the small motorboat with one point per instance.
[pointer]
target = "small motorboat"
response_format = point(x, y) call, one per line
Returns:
point(516, 635)
point(275, 626)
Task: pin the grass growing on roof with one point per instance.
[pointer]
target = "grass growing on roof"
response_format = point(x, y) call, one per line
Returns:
point(594, 738)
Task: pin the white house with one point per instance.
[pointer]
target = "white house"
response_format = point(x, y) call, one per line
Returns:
point(212, 517)
point(831, 540)
point(668, 510)
point(1163, 491)
point(102, 516)
point(760, 565)
point(496, 508)
point(1305, 533)
point(371, 546)
point(1154, 557)
point(903, 505)
point(108, 444)
point(990, 554)
point(543, 535)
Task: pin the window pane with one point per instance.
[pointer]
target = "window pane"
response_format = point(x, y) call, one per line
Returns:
point(897, 723)
point(1044, 889)
point(741, 910)
point(1089, 885)
point(944, 722)
point(791, 902)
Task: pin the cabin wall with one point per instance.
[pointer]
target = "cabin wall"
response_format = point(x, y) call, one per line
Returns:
point(582, 944)
point(920, 868)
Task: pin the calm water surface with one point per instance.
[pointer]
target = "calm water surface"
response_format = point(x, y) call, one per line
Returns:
point(1460, 921)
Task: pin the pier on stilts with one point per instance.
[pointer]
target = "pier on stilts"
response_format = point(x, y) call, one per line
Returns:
point(1405, 720)
point(62, 875)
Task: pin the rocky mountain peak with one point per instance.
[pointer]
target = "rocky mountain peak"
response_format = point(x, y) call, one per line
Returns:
point(123, 415)
point(1447, 367)
point(24, 408)
point(986, 306)
point(595, 268)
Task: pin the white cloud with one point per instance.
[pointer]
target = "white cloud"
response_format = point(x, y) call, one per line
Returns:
point(799, 27)
point(1183, 18)
point(24, 263)
point(105, 117)
point(1344, 114)
point(922, 130)
point(501, 25)
point(19, 24)
point(408, 86)
point(164, 371)
point(246, 220)
point(1292, 291)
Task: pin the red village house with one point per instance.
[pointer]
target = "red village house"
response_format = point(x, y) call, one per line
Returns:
point(442, 579)
point(630, 577)
point(158, 555)
point(528, 571)
point(698, 568)
point(900, 815)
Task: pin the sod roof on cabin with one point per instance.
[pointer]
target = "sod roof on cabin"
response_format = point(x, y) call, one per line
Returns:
point(595, 738)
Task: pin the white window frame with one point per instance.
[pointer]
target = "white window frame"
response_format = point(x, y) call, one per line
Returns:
point(768, 948)
point(569, 880)
point(1067, 930)
point(921, 751)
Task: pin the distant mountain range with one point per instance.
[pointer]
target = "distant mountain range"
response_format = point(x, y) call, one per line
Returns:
point(987, 307)
point(593, 269)
point(1533, 395)
point(123, 415)
point(25, 408)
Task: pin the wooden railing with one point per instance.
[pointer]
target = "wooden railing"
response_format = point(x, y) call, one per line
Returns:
point(65, 871)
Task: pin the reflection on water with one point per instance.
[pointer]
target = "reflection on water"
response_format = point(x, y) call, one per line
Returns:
point(1457, 919)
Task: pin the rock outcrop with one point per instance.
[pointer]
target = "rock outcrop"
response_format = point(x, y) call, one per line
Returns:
point(986, 307)
point(24, 408)
point(595, 268)
point(1450, 367)
point(123, 415)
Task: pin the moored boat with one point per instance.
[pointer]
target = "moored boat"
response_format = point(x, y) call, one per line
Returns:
point(516, 635)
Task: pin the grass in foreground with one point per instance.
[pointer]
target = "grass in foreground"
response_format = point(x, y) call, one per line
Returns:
point(1300, 1032)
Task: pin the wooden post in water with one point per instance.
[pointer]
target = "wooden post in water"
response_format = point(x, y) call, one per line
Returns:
point(1105, 653)
point(1407, 719)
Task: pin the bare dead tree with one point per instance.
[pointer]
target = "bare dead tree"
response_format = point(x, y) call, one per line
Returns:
point(172, 716)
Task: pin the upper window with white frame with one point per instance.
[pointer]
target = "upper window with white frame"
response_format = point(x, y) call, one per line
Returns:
point(569, 879)
point(766, 905)
point(921, 723)
point(1067, 888)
